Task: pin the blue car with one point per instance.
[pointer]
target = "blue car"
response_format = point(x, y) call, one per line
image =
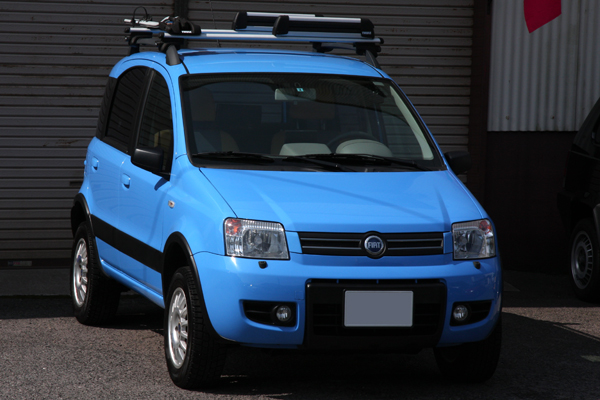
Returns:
point(283, 200)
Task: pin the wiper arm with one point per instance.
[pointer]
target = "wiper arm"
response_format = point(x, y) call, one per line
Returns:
point(371, 158)
point(321, 163)
point(237, 156)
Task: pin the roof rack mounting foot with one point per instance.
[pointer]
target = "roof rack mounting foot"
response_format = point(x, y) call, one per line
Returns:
point(371, 59)
point(172, 55)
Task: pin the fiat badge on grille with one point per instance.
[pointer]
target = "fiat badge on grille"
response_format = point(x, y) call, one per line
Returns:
point(374, 245)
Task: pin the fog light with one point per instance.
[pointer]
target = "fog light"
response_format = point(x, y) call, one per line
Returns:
point(283, 314)
point(460, 313)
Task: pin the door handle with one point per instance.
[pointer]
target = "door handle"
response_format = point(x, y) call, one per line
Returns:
point(126, 181)
point(95, 163)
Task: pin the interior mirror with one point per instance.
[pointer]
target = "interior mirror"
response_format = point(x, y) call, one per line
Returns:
point(148, 158)
point(295, 94)
point(459, 161)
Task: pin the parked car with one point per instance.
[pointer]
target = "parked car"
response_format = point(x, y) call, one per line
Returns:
point(579, 207)
point(281, 199)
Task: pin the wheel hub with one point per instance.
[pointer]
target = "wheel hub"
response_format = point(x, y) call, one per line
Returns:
point(582, 260)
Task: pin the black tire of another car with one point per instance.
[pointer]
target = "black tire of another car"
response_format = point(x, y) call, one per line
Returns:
point(194, 358)
point(471, 362)
point(585, 261)
point(95, 297)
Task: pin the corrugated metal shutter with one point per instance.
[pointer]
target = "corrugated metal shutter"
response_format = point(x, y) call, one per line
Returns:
point(56, 57)
point(427, 49)
point(547, 80)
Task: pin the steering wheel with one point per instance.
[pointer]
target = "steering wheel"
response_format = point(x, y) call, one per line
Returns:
point(341, 138)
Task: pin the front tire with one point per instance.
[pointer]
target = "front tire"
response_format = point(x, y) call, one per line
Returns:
point(585, 261)
point(194, 358)
point(95, 297)
point(471, 362)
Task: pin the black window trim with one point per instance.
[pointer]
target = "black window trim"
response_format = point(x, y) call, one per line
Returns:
point(138, 121)
point(127, 149)
point(141, 106)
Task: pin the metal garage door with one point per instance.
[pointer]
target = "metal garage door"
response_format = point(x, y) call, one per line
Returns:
point(56, 55)
point(55, 59)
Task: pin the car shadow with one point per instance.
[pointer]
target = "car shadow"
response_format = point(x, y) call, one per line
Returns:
point(134, 312)
point(539, 360)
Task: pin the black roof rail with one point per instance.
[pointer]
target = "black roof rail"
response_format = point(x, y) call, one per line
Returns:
point(324, 33)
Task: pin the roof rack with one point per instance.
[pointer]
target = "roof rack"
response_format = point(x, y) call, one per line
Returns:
point(324, 33)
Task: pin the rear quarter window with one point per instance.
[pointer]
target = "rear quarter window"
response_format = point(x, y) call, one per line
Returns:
point(123, 110)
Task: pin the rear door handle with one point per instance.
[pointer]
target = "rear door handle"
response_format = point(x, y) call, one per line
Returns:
point(95, 163)
point(126, 181)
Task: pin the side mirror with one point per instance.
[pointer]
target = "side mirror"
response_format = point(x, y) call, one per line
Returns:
point(148, 158)
point(459, 161)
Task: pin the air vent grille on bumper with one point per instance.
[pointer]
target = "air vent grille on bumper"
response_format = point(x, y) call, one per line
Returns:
point(352, 244)
point(325, 315)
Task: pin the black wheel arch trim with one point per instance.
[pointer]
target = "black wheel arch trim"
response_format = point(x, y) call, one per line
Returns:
point(80, 201)
point(177, 238)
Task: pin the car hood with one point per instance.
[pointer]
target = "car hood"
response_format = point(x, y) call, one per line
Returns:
point(347, 202)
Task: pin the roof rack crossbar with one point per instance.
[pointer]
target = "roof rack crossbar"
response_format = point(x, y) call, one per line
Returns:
point(224, 34)
point(322, 32)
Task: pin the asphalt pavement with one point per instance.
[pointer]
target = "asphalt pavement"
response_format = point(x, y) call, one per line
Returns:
point(551, 350)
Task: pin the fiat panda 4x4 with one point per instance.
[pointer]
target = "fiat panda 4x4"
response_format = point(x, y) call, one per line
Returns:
point(283, 200)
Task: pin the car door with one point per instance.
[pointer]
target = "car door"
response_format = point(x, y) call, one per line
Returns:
point(108, 154)
point(143, 193)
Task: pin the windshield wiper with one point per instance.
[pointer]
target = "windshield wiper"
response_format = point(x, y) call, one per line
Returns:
point(236, 156)
point(321, 163)
point(371, 159)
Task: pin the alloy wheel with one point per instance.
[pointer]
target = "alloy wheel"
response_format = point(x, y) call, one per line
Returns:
point(178, 328)
point(582, 260)
point(80, 272)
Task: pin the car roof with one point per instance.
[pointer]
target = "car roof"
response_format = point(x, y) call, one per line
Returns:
point(240, 60)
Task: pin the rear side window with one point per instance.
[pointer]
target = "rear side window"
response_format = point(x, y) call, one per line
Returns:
point(156, 129)
point(105, 107)
point(121, 119)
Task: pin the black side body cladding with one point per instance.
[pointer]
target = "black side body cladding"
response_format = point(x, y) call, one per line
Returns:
point(129, 245)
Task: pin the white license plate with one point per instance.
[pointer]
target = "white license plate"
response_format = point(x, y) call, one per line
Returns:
point(378, 308)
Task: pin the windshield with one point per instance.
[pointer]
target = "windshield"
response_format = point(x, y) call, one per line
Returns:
point(230, 118)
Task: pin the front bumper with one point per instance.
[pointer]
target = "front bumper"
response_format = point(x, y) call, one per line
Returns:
point(308, 280)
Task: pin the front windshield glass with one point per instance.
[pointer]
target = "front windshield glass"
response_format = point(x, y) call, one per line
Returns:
point(293, 116)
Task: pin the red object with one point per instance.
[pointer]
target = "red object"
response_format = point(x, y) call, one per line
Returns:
point(484, 225)
point(540, 12)
point(233, 226)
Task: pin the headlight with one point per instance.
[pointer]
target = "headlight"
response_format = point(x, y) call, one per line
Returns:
point(255, 239)
point(473, 239)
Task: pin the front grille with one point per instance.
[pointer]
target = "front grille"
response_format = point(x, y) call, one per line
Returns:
point(325, 315)
point(351, 244)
